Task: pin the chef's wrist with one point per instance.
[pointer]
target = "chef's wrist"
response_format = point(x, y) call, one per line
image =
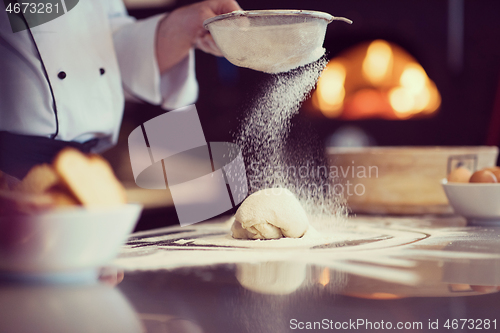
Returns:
point(183, 29)
point(172, 42)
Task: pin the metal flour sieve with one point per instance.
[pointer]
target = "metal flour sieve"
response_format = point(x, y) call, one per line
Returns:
point(271, 41)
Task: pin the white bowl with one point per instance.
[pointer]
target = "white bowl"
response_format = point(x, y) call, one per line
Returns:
point(478, 202)
point(64, 241)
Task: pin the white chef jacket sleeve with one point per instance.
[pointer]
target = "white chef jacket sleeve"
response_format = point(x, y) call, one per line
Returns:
point(134, 42)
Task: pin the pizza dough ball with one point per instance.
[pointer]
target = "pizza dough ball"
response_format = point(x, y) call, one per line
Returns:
point(270, 214)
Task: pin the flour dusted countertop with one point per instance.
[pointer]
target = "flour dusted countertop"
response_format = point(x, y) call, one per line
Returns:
point(386, 247)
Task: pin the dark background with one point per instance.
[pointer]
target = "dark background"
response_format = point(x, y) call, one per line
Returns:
point(419, 26)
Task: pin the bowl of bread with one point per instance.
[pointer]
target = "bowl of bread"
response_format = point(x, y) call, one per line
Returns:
point(66, 217)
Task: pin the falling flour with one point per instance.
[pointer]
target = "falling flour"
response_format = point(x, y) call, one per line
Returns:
point(273, 162)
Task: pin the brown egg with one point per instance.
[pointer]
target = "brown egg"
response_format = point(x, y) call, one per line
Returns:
point(483, 176)
point(459, 175)
point(495, 170)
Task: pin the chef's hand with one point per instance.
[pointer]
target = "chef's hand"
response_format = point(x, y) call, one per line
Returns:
point(183, 29)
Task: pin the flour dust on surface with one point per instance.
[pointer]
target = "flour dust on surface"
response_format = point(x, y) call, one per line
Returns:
point(273, 161)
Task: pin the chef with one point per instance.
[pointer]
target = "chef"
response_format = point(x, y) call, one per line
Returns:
point(63, 82)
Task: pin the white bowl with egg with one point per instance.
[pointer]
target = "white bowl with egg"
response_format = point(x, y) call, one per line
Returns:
point(479, 203)
point(64, 241)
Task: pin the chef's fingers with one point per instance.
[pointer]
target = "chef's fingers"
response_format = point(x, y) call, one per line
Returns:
point(225, 6)
point(231, 6)
point(213, 8)
point(213, 46)
point(207, 44)
point(202, 45)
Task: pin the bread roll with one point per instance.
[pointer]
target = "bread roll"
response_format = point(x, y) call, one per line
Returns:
point(90, 179)
point(39, 179)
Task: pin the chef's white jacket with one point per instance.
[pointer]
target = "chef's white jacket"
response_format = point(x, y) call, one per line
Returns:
point(92, 54)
